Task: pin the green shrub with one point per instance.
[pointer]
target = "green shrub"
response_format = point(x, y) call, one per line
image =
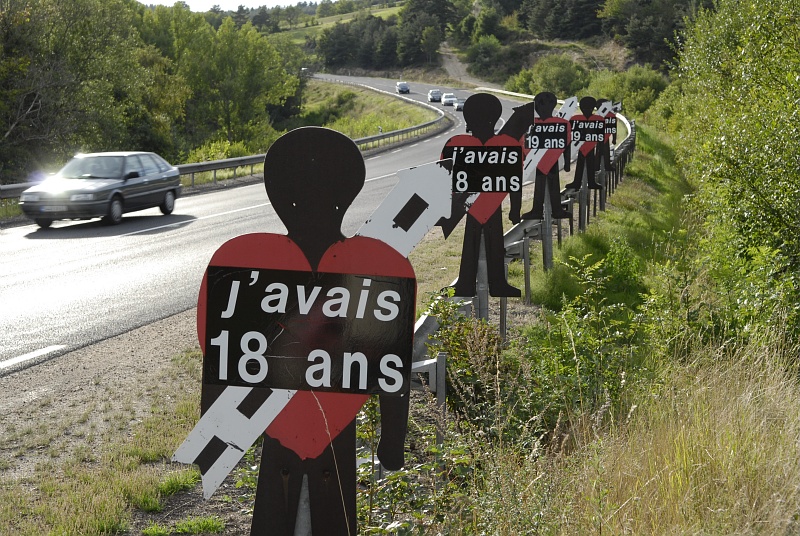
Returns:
point(218, 150)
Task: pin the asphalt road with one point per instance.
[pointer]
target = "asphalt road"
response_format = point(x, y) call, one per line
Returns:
point(81, 282)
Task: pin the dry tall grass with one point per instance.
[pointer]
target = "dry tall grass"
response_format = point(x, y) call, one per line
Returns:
point(714, 448)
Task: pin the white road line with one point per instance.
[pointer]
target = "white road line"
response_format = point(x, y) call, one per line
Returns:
point(177, 224)
point(22, 358)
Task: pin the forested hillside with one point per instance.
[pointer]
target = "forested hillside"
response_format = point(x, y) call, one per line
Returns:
point(112, 74)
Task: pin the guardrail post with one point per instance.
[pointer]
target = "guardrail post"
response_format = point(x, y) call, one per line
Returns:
point(526, 267)
point(441, 395)
point(504, 309)
point(547, 239)
point(483, 283)
point(436, 369)
point(603, 182)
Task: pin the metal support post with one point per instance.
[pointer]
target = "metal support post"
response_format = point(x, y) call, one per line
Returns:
point(483, 283)
point(526, 265)
point(504, 308)
point(441, 394)
point(547, 238)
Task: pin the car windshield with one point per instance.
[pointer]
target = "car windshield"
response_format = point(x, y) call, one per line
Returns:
point(93, 167)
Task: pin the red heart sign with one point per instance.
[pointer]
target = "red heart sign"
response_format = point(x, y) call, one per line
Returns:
point(312, 418)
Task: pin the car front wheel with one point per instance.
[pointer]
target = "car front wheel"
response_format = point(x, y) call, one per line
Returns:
point(114, 215)
point(168, 204)
point(44, 223)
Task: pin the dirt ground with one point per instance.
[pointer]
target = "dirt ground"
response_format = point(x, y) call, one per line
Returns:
point(105, 387)
point(457, 70)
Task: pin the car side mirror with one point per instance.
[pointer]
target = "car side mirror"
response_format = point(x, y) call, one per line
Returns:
point(131, 175)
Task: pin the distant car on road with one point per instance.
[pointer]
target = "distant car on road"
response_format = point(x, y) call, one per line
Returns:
point(459, 105)
point(449, 99)
point(434, 95)
point(104, 185)
point(402, 87)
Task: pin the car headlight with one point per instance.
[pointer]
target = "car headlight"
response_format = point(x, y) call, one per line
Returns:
point(81, 197)
point(29, 197)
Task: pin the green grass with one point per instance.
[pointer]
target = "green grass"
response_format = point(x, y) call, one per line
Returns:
point(298, 35)
point(201, 525)
point(9, 209)
point(356, 112)
point(90, 492)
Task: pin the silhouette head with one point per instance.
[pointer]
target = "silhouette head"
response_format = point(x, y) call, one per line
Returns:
point(545, 102)
point(481, 112)
point(312, 175)
point(587, 105)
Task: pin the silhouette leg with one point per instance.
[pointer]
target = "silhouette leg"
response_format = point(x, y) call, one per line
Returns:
point(332, 486)
point(495, 258)
point(537, 212)
point(468, 272)
point(279, 480)
point(579, 165)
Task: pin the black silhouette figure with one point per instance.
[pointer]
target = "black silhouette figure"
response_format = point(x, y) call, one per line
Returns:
point(545, 102)
point(586, 159)
point(481, 113)
point(312, 175)
point(609, 137)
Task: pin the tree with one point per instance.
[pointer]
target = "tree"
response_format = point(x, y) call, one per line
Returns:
point(522, 82)
point(559, 74)
point(648, 29)
point(432, 37)
point(291, 14)
point(484, 53)
point(241, 17)
point(247, 76)
point(336, 45)
point(265, 21)
point(488, 23)
point(325, 9)
point(72, 79)
point(433, 13)
point(386, 49)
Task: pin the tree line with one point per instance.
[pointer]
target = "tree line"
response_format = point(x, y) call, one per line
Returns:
point(99, 75)
point(647, 29)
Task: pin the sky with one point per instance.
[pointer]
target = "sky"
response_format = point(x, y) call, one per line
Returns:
point(201, 6)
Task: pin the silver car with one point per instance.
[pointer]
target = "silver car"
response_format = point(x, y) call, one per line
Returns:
point(434, 95)
point(103, 185)
point(449, 99)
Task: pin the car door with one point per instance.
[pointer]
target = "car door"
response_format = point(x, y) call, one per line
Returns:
point(135, 188)
point(154, 181)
